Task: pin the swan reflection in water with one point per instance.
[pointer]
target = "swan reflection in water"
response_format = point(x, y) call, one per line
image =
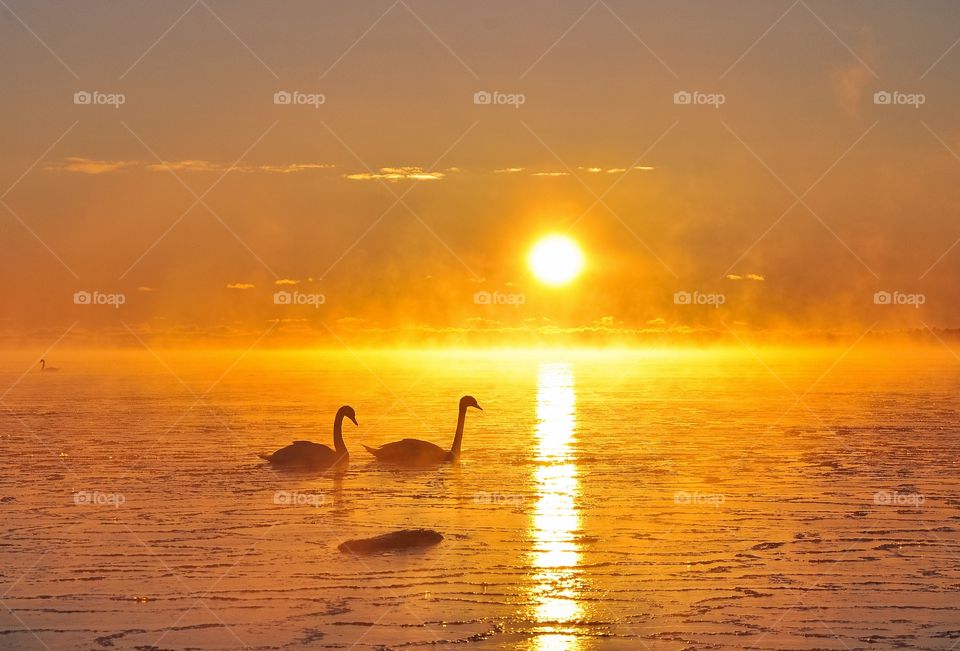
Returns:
point(556, 519)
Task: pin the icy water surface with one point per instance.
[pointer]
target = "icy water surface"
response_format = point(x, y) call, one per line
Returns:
point(722, 500)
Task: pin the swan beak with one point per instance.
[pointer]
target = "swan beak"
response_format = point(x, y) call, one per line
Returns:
point(354, 420)
point(479, 407)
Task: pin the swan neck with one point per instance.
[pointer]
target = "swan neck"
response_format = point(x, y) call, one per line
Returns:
point(338, 443)
point(458, 438)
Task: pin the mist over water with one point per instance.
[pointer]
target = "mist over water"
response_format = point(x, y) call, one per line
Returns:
point(660, 500)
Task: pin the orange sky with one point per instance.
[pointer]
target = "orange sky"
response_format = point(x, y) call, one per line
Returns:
point(398, 198)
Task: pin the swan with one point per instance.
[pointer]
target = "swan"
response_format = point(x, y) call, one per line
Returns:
point(309, 455)
point(44, 367)
point(413, 452)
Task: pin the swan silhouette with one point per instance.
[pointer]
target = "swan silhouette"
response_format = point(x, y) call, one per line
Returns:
point(306, 455)
point(44, 367)
point(416, 453)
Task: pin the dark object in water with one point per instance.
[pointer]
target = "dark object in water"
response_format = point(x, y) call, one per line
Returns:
point(396, 540)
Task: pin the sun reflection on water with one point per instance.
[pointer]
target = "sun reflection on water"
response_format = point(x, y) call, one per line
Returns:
point(556, 519)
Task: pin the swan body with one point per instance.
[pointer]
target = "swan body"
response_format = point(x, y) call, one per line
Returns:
point(307, 455)
point(416, 453)
point(44, 367)
point(302, 453)
point(411, 452)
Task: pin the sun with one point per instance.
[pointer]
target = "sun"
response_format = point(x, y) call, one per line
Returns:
point(556, 260)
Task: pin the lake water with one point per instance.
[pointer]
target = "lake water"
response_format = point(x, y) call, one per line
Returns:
point(620, 500)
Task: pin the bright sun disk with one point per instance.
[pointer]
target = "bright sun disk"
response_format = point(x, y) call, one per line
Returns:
point(556, 260)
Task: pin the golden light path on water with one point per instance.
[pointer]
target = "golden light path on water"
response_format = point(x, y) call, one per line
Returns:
point(556, 518)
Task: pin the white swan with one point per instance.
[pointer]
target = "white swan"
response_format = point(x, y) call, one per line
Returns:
point(416, 453)
point(307, 455)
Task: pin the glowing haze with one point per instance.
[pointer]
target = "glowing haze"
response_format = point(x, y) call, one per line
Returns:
point(379, 172)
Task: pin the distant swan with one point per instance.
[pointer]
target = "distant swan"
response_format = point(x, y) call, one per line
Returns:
point(44, 367)
point(306, 455)
point(416, 453)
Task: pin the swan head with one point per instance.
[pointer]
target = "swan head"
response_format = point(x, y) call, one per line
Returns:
point(469, 401)
point(347, 412)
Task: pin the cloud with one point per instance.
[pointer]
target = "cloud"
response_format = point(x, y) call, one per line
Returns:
point(144, 288)
point(394, 174)
point(851, 82)
point(286, 281)
point(209, 166)
point(94, 166)
point(240, 285)
point(756, 277)
point(291, 168)
point(620, 170)
point(185, 166)
point(81, 165)
point(591, 170)
point(850, 86)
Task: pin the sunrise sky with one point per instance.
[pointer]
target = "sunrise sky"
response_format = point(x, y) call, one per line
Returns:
point(787, 187)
